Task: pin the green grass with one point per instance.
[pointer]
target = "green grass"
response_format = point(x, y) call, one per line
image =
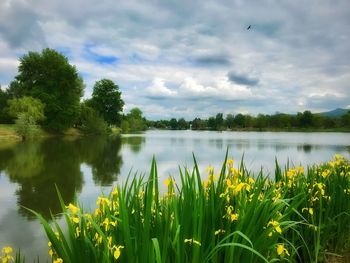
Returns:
point(7, 130)
point(232, 216)
point(8, 133)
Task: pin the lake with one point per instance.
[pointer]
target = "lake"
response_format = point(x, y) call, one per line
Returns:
point(86, 166)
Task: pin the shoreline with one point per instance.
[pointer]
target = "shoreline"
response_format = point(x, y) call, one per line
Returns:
point(8, 133)
point(343, 130)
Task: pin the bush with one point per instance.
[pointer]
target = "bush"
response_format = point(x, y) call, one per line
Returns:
point(25, 126)
point(28, 112)
point(92, 123)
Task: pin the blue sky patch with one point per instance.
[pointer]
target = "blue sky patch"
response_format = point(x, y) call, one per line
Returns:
point(101, 59)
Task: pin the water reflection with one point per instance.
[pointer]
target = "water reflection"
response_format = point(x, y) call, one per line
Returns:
point(37, 167)
point(104, 157)
point(135, 142)
point(29, 171)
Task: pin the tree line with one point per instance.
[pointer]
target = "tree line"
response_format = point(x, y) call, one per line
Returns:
point(279, 121)
point(48, 90)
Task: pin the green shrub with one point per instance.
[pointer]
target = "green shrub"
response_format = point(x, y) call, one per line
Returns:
point(92, 123)
point(28, 112)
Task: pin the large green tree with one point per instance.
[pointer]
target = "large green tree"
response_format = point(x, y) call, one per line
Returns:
point(49, 77)
point(106, 100)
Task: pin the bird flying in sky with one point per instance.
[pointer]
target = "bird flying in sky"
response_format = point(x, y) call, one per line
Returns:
point(249, 27)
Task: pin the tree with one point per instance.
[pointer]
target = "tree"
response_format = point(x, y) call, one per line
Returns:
point(239, 120)
point(305, 119)
point(28, 112)
point(230, 121)
point(211, 123)
point(183, 124)
point(106, 100)
point(198, 124)
point(345, 120)
point(219, 122)
point(136, 122)
point(4, 116)
point(261, 121)
point(49, 77)
point(92, 122)
point(173, 124)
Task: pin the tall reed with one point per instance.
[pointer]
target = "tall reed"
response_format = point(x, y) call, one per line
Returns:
point(232, 216)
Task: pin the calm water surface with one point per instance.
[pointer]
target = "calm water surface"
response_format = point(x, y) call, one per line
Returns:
point(87, 166)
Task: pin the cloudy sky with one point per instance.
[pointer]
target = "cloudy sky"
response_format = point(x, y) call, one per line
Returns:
point(182, 58)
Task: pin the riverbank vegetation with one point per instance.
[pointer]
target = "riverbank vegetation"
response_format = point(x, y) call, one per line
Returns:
point(48, 94)
point(302, 121)
point(301, 215)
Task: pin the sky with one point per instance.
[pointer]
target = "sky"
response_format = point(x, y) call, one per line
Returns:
point(180, 58)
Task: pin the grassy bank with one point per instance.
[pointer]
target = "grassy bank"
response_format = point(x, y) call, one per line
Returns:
point(232, 216)
point(8, 133)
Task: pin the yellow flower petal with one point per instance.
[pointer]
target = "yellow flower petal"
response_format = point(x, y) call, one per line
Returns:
point(7, 250)
point(73, 208)
point(167, 182)
point(280, 249)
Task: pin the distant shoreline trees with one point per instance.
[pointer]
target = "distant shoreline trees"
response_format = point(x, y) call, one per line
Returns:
point(279, 121)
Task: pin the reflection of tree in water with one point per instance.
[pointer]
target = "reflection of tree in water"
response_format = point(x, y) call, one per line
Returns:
point(103, 155)
point(54, 162)
point(38, 166)
point(307, 148)
point(27, 161)
point(134, 142)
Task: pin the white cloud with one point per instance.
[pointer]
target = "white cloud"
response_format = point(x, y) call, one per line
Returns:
point(183, 51)
point(222, 88)
point(158, 89)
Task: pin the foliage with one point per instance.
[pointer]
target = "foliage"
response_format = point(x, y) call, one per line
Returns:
point(219, 122)
point(25, 126)
point(49, 77)
point(183, 124)
point(106, 100)
point(231, 216)
point(92, 122)
point(42, 164)
point(199, 124)
point(230, 121)
point(346, 119)
point(280, 121)
point(125, 126)
point(28, 112)
point(134, 121)
point(27, 105)
point(4, 115)
point(173, 124)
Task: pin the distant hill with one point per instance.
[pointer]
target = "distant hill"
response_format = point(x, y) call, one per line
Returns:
point(334, 113)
